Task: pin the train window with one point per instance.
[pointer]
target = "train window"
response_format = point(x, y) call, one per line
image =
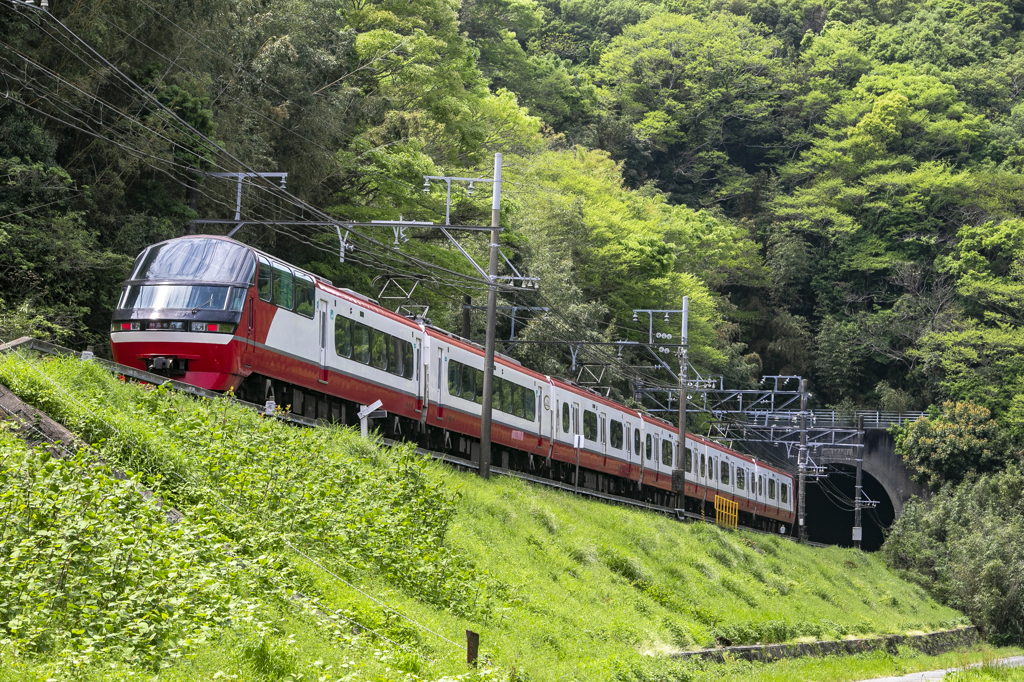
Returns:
point(616, 434)
point(479, 397)
point(379, 349)
point(666, 452)
point(284, 288)
point(530, 403)
point(343, 336)
point(712, 461)
point(496, 394)
point(565, 417)
point(305, 296)
point(454, 378)
point(589, 425)
point(725, 473)
point(771, 488)
point(507, 403)
point(636, 442)
point(689, 460)
point(263, 286)
point(739, 478)
point(517, 401)
point(394, 365)
point(360, 343)
point(408, 363)
point(760, 485)
point(650, 447)
point(785, 493)
point(237, 299)
point(196, 259)
point(468, 383)
point(702, 472)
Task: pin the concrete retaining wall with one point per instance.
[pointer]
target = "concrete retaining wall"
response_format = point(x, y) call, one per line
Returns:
point(931, 644)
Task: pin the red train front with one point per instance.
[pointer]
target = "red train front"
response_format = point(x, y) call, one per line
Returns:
point(181, 308)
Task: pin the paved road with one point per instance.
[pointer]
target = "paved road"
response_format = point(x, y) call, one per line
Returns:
point(1011, 662)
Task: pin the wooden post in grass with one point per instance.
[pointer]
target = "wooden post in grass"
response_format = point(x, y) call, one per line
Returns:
point(472, 647)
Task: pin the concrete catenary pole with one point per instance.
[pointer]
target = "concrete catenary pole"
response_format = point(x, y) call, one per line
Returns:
point(492, 305)
point(858, 530)
point(683, 371)
point(801, 463)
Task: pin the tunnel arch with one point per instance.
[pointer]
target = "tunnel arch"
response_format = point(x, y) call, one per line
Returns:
point(830, 509)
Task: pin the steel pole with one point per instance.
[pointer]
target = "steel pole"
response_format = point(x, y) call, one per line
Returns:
point(492, 306)
point(801, 461)
point(858, 530)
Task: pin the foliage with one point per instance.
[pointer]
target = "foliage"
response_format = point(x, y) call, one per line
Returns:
point(92, 570)
point(967, 545)
point(958, 441)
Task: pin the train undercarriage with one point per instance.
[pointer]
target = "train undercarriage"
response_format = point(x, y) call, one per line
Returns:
point(317, 405)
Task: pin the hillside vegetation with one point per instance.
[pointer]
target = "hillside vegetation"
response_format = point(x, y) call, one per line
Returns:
point(303, 550)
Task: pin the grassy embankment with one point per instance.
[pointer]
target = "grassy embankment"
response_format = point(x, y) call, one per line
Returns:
point(558, 587)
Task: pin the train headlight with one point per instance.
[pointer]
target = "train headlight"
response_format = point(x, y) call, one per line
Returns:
point(213, 327)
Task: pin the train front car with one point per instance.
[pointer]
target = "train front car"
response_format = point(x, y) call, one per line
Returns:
point(180, 308)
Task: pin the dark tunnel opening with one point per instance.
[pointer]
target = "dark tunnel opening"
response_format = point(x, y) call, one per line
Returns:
point(830, 509)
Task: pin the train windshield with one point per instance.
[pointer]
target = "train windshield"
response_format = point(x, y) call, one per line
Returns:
point(197, 297)
point(196, 259)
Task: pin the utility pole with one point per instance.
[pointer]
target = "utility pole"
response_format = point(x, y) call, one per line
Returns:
point(801, 462)
point(492, 306)
point(684, 362)
point(858, 530)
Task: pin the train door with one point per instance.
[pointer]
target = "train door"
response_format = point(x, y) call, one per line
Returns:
point(602, 426)
point(250, 336)
point(575, 421)
point(322, 378)
point(627, 441)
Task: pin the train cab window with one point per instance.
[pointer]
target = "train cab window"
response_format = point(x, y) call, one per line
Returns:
point(650, 447)
point(589, 425)
point(666, 452)
point(517, 401)
point(305, 296)
point(479, 397)
point(263, 281)
point(343, 336)
point(689, 460)
point(725, 474)
point(530, 403)
point(284, 288)
point(739, 478)
point(379, 349)
point(565, 417)
point(771, 488)
point(784, 493)
point(454, 378)
point(702, 471)
point(360, 343)
point(616, 434)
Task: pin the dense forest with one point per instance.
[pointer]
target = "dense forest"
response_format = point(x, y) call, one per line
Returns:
point(837, 186)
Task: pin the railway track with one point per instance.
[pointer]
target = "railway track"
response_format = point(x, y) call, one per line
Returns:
point(39, 346)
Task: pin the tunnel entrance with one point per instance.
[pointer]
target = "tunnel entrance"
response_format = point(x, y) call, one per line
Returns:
point(830, 509)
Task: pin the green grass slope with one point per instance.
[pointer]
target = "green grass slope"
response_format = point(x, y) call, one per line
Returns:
point(317, 555)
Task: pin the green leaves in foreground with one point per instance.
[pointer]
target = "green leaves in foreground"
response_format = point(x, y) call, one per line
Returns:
point(89, 569)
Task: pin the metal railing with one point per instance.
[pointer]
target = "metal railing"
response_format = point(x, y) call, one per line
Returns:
point(873, 419)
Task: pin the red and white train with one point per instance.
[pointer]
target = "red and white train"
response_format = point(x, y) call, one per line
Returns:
point(221, 315)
